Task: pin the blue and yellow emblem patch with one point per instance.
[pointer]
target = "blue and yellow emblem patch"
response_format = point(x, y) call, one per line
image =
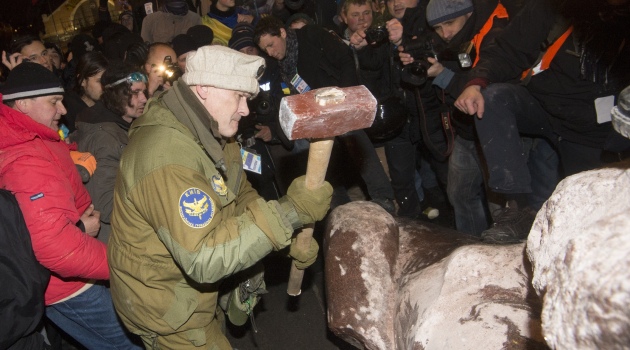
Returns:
point(219, 186)
point(196, 208)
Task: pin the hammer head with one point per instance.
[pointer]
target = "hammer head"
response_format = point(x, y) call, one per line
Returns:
point(323, 113)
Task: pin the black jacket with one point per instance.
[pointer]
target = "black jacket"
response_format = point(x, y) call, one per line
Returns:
point(24, 280)
point(561, 89)
point(464, 124)
point(324, 59)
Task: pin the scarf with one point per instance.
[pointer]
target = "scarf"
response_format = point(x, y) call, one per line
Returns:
point(288, 66)
point(183, 103)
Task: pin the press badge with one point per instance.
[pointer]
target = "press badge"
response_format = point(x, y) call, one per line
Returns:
point(300, 85)
point(603, 107)
point(251, 160)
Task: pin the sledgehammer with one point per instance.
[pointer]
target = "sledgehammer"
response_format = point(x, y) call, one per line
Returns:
point(322, 114)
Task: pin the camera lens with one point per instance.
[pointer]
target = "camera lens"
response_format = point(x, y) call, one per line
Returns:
point(264, 107)
point(418, 70)
point(414, 73)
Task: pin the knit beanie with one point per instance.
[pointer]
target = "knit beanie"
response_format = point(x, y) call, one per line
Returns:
point(242, 36)
point(224, 68)
point(176, 7)
point(183, 43)
point(29, 80)
point(201, 34)
point(439, 11)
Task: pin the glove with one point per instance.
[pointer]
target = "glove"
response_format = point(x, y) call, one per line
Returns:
point(310, 205)
point(303, 258)
point(85, 163)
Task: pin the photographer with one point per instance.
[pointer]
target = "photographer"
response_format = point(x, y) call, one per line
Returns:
point(311, 58)
point(377, 70)
point(260, 128)
point(404, 152)
point(154, 67)
point(465, 27)
point(585, 64)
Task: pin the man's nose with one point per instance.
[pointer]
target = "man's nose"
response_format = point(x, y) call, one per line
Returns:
point(61, 109)
point(242, 107)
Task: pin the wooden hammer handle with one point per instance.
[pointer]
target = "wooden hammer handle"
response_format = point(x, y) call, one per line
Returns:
point(318, 158)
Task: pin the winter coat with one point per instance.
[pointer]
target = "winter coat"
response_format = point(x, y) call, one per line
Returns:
point(561, 89)
point(324, 59)
point(103, 134)
point(35, 165)
point(453, 79)
point(180, 224)
point(24, 281)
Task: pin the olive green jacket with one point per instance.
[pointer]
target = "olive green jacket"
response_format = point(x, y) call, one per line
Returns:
point(184, 218)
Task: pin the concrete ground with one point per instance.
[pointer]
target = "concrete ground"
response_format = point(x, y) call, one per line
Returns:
point(288, 323)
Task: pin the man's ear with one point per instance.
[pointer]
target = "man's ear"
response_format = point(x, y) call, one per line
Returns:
point(343, 17)
point(202, 91)
point(22, 106)
point(283, 33)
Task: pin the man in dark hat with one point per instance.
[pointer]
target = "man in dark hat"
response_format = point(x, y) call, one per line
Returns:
point(202, 34)
point(36, 166)
point(183, 44)
point(174, 18)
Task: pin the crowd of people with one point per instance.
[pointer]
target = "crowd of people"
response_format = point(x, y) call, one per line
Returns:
point(152, 176)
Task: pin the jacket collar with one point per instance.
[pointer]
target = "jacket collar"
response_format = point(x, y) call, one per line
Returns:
point(17, 127)
point(188, 110)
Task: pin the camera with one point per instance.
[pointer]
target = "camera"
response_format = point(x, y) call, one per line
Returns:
point(377, 35)
point(170, 70)
point(422, 48)
point(261, 110)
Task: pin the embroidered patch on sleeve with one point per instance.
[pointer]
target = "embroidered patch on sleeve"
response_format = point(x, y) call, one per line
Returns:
point(219, 186)
point(37, 196)
point(196, 208)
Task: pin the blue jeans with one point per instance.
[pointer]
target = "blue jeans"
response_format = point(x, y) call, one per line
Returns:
point(465, 188)
point(90, 319)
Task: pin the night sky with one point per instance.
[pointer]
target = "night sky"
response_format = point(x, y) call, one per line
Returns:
point(19, 13)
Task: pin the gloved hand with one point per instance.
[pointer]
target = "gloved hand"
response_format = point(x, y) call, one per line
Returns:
point(310, 205)
point(85, 163)
point(303, 258)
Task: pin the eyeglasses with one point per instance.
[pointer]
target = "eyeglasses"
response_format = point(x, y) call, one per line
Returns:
point(135, 77)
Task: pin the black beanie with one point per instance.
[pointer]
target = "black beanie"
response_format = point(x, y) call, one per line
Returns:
point(183, 43)
point(201, 34)
point(242, 36)
point(28, 80)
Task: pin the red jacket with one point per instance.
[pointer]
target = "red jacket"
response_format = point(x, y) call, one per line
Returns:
point(35, 165)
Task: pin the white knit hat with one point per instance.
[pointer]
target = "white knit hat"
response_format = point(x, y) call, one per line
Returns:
point(224, 68)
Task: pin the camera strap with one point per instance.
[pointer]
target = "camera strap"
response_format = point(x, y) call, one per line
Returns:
point(447, 128)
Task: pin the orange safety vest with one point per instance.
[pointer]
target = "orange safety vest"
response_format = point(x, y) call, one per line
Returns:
point(548, 56)
point(499, 12)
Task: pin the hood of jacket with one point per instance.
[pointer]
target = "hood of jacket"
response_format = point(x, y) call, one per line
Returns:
point(100, 114)
point(192, 116)
point(17, 128)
